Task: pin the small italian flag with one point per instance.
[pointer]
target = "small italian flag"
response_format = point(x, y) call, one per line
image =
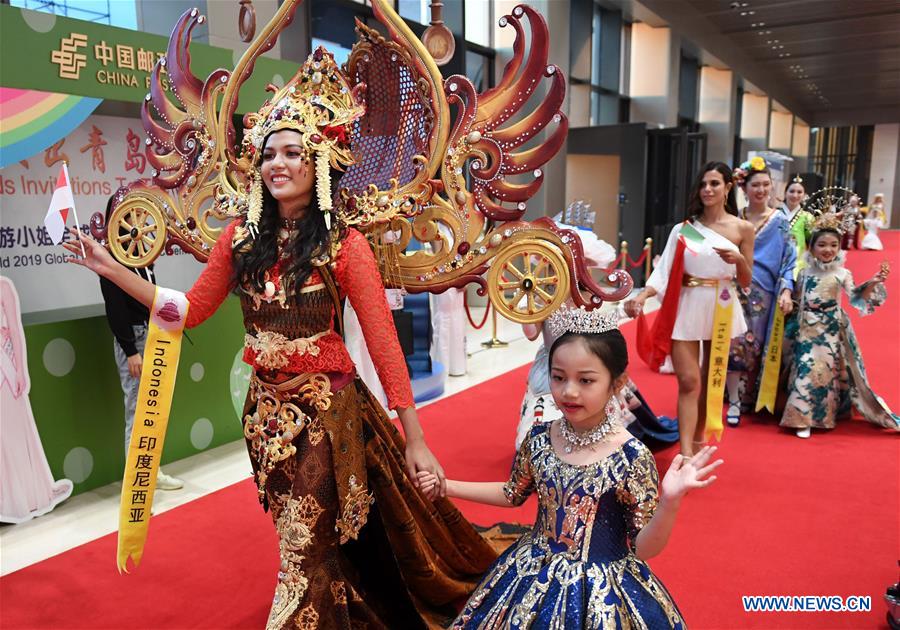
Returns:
point(60, 204)
point(690, 235)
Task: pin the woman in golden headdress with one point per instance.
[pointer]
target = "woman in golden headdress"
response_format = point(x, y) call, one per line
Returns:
point(359, 543)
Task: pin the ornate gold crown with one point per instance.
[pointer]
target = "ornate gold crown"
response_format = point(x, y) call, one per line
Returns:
point(797, 180)
point(319, 104)
point(581, 320)
point(829, 221)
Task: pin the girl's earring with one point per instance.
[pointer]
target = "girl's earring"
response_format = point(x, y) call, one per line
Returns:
point(612, 409)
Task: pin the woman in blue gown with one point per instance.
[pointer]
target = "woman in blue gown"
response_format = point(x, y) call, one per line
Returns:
point(774, 259)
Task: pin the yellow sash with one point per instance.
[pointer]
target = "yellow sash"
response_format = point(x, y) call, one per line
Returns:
point(768, 385)
point(167, 317)
point(718, 359)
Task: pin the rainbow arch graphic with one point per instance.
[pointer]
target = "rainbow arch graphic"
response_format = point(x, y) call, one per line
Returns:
point(31, 121)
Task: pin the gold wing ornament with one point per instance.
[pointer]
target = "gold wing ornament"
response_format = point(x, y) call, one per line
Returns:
point(440, 193)
point(176, 206)
point(453, 190)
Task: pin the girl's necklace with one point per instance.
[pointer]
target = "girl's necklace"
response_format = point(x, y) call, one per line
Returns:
point(577, 441)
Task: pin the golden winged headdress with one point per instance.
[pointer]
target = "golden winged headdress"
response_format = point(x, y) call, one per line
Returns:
point(455, 190)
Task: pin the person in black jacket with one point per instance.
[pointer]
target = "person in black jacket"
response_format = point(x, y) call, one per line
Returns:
point(128, 320)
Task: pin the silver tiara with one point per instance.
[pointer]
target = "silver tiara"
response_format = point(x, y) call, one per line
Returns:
point(581, 320)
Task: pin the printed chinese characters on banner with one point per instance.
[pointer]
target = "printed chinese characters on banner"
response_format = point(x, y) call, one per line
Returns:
point(119, 62)
point(104, 153)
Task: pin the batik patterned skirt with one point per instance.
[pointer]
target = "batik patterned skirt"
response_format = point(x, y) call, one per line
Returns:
point(359, 545)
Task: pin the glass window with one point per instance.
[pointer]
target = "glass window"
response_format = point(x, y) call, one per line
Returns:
point(415, 10)
point(625, 60)
point(478, 70)
point(688, 88)
point(610, 49)
point(121, 13)
point(596, 36)
point(479, 21)
point(604, 108)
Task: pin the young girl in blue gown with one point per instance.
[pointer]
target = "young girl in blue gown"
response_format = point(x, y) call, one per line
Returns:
point(601, 513)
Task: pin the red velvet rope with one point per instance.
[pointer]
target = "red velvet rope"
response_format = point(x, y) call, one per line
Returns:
point(639, 261)
point(487, 310)
point(633, 264)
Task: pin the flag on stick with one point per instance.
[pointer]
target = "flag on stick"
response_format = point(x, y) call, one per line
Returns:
point(60, 204)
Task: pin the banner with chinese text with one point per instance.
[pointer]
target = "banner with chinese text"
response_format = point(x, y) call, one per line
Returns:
point(103, 153)
point(90, 59)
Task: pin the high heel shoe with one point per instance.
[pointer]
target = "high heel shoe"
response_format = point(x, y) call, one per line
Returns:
point(733, 417)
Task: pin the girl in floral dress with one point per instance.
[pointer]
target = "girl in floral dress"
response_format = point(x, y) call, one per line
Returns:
point(828, 374)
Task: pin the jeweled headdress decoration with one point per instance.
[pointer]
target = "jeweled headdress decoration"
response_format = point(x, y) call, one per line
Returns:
point(580, 320)
point(319, 104)
point(829, 221)
point(797, 180)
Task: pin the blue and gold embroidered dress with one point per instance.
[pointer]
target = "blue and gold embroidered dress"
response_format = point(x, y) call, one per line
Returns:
point(576, 568)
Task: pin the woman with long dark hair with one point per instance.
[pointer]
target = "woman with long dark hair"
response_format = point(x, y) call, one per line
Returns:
point(360, 544)
point(698, 300)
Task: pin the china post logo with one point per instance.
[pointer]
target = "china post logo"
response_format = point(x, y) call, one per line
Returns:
point(69, 60)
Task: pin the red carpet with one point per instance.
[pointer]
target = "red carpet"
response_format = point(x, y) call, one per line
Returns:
point(786, 517)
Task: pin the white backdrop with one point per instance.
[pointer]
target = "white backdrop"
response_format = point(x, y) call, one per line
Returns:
point(103, 153)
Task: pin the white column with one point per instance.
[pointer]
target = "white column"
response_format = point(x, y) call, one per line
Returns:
point(716, 116)
point(754, 123)
point(654, 84)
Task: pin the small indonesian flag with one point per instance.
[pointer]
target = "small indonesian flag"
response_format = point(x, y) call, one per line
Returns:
point(62, 202)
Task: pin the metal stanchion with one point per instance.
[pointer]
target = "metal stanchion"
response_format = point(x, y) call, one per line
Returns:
point(494, 341)
point(623, 252)
point(648, 264)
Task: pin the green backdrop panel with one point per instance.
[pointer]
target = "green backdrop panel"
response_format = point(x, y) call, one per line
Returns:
point(77, 399)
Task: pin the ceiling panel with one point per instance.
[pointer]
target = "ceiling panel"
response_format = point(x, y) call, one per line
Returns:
point(826, 55)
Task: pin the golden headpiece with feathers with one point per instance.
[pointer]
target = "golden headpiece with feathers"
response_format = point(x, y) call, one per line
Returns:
point(319, 104)
point(829, 221)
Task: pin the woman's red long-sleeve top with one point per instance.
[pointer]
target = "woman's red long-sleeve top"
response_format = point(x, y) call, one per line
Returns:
point(358, 279)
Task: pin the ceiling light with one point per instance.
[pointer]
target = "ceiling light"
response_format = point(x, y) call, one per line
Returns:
point(787, 54)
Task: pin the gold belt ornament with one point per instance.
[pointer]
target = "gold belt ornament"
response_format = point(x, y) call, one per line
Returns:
point(694, 281)
point(274, 350)
point(278, 418)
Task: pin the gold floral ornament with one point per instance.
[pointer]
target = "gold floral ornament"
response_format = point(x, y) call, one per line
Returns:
point(829, 221)
point(319, 104)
